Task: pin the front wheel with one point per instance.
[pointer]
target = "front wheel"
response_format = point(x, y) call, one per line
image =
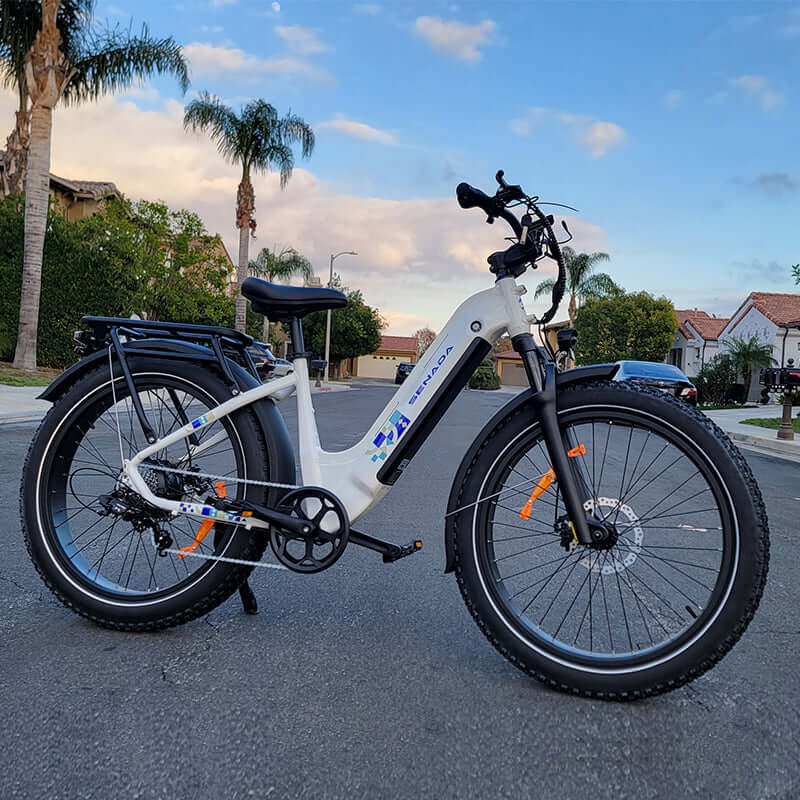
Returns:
point(658, 603)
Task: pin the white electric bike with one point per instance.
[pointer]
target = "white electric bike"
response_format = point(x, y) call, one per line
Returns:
point(607, 539)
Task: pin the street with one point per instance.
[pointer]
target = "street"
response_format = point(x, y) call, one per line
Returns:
point(372, 680)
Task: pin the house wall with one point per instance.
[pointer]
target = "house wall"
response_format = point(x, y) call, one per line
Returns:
point(511, 372)
point(754, 323)
point(382, 363)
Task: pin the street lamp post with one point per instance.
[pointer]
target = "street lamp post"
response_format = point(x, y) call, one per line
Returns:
point(328, 321)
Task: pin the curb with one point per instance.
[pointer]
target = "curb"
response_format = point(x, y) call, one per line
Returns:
point(772, 446)
point(21, 417)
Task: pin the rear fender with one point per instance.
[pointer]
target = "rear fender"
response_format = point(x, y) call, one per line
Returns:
point(524, 398)
point(279, 451)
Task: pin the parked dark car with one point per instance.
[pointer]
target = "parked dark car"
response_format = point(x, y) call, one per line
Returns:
point(403, 370)
point(263, 359)
point(664, 377)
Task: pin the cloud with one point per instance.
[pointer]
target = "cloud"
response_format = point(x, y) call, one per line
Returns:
point(596, 136)
point(776, 183)
point(300, 40)
point(756, 272)
point(758, 89)
point(357, 130)
point(368, 9)
point(276, 7)
point(213, 61)
point(673, 98)
point(412, 253)
point(456, 39)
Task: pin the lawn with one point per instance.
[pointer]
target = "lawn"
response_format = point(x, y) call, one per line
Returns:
point(11, 376)
point(772, 422)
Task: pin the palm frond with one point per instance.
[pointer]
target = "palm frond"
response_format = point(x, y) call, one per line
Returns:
point(544, 287)
point(114, 59)
point(598, 285)
point(208, 113)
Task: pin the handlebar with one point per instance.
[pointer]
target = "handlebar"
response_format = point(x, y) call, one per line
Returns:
point(494, 207)
point(470, 197)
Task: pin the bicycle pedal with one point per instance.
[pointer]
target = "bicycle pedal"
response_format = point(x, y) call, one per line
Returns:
point(401, 551)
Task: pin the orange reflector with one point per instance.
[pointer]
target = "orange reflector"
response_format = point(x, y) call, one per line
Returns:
point(206, 526)
point(539, 490)
point(220, 486)
point(546, 481)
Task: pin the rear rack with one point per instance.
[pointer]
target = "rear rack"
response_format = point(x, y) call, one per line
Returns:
point(222, 344)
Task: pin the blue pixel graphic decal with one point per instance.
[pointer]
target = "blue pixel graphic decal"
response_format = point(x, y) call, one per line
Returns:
point(388, 436)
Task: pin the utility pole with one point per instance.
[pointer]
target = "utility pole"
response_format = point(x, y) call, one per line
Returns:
point(328, 321)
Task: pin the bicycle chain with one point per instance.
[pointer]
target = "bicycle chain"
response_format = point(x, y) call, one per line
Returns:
point(223, 478)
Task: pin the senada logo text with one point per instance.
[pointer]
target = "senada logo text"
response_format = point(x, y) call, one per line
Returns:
point(430, 375)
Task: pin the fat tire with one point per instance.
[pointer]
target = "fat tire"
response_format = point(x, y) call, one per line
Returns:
point(219, 582)
point(748, 582)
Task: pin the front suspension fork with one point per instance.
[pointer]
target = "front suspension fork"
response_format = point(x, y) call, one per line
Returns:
point(587, 530)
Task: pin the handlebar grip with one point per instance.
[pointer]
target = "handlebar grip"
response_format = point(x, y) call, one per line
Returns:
point(470, 197)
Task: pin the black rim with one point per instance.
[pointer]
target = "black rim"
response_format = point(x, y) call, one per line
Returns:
point(108, 554)
point(660, 582)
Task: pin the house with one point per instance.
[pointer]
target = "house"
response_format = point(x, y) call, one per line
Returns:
point(383, 362)
point(774, 318)
point(696, 340)
point(79, 199)
point(510, 369)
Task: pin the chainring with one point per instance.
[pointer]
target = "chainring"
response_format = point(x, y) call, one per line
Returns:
point(330, 530)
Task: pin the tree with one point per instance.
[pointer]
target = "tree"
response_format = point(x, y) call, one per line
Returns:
point(282, 266)
point(355, 329)
point(582, 281)
point(257, 140)
point(80, 65)
point(424, 337)
point(142, 258)
point(625, 326)
point(747, 355)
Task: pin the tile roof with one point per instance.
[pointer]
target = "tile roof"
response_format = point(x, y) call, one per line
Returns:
point(398, 343)
point(782, 309)
point(707, 326)
point(509, 354)
point(95, 189)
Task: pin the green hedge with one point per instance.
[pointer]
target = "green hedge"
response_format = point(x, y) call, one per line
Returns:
point(141, 258)
point(484, 378)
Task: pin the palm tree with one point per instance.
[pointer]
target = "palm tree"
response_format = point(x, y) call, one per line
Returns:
point(257, 139)
point(582, 280)
point(748, 355)
point(77, 65)
point(281, 266)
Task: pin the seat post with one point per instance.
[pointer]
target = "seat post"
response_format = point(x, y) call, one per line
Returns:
point(296, 334)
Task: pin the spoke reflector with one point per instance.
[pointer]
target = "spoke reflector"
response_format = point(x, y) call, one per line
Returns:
point(202, 532)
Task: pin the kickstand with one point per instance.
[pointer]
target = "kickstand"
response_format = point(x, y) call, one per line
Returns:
point(249, 602)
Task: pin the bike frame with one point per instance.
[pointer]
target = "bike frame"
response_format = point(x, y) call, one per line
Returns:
point(363, 474)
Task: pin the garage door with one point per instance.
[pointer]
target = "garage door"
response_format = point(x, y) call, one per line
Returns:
point(378, 366)
point(513, 374)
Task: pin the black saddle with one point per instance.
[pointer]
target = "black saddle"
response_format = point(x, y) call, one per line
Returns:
point(285, 302)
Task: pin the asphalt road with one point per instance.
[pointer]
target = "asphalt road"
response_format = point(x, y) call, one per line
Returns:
point(373, 681)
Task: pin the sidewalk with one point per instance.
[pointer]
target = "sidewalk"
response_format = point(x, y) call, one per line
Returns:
point(762, 439)
point(18, 404)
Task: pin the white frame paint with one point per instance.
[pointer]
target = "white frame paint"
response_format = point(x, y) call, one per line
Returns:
point(352, 474)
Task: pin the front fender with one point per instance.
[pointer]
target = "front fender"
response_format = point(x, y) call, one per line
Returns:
point(563, 379)
point(279, 450)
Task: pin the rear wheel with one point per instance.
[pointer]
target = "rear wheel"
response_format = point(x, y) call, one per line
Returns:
point(93, 545)
point(656, 605)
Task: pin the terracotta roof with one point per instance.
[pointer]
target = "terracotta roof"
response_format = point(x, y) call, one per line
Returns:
point(709, 327)
point(782, 309)
point(92, 189)
point(509, 354)
point(398, 343)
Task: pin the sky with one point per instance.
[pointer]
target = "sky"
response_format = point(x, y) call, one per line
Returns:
point(671, 126)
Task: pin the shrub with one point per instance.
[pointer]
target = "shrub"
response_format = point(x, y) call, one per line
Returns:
point(484, 378)
point(716, 381)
